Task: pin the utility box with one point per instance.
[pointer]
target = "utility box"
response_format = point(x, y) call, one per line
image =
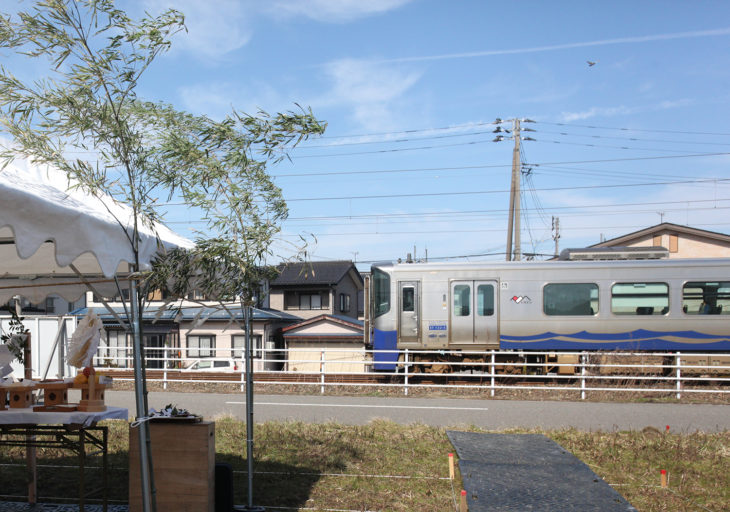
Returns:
point(183, 458)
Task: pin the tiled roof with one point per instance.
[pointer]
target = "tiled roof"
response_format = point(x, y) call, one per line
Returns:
point(190, 313)
point(662, 228)
point(313, 273)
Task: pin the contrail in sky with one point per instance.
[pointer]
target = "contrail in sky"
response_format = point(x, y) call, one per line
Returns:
point(602, 42)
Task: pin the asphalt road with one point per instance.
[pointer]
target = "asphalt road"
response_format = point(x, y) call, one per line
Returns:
point(445, 412)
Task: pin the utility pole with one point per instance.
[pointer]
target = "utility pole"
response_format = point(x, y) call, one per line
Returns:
point(556, 234)
point(515, 203)
point(517, 178)
point(513, 224)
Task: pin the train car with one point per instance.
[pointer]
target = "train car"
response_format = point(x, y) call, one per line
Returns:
point(635, 305)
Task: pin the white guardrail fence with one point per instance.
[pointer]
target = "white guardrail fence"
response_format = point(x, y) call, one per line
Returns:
point(671, 373)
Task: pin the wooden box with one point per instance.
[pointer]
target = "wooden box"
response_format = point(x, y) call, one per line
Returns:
point(21, 397)
point(54, 393)
point(3, 397)
point(183, 457)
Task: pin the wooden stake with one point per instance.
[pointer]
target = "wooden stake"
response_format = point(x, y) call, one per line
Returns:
point(451, 466)
point(664, 477)
point(463, 507)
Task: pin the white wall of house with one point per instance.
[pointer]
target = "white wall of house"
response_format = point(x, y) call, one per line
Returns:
point(338, 357)
point(225, 337)
point(685, 246)
point(320, 344)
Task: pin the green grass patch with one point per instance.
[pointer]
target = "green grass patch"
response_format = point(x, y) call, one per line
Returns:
point(391, 467)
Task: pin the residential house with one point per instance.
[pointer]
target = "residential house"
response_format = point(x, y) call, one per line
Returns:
point(326, 342)
point(328, 296)
point(681, 241)
point(310, 289)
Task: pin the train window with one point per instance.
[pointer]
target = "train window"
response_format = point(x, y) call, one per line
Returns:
point(381, 292)
point(640, 299)
point(462, 299)
point(485, 300)
point(706, 298)
point(567, 299)
point(408, 298)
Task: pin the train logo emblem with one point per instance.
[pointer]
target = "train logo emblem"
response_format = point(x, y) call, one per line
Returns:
point(521, 300)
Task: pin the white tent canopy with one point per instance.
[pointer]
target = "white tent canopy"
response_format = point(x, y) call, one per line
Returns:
point(46, 226)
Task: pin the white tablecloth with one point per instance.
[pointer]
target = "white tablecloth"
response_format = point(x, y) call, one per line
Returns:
point(29, 417)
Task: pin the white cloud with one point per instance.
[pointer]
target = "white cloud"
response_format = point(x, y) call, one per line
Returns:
point(331, 11)
point(368, 88)
point(218, 99)
point(214, 29)
point(621, 110)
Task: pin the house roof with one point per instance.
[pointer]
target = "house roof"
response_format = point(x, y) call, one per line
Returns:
point(309, 273)
point(663, 228)
point(195, 312)
point(337, 319)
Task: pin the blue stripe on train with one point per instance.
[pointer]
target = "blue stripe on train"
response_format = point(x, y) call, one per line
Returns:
point(635, 340)
point(384, 340)
point(639, 334)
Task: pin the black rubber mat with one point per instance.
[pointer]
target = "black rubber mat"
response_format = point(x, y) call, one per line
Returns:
point(16, 506)
point(529, 472)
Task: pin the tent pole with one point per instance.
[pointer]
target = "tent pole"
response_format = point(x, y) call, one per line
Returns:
point(249, 407)
point(144, 455)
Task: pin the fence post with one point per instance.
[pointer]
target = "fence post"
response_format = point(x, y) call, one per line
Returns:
point(164, 366)
point(243, 378)
point(321, 371)
point(583, 376)
point(679, 376)
point(406, 369)
point(491, 370)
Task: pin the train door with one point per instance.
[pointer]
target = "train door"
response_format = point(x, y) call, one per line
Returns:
point(474, 312)
point(408, 311)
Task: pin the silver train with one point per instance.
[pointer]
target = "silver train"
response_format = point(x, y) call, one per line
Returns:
point(635, 305)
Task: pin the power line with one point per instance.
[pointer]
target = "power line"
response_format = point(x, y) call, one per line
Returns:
point(388, 171)
point(634, 129)
point(607, 146)
point(419, 130)
point(492, 166)
point(636, 139)
point(388, 141)
point(483, 192)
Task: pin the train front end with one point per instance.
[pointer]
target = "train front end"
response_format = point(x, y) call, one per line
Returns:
point(383, 336)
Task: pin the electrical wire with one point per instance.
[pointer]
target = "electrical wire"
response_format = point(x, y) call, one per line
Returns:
point(485, 192)
point(633, 129)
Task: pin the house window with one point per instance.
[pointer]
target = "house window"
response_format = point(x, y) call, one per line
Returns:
point(673, 243)
point(202, 345)
point(50, 307)
point(344, 303)
point(306, 300)
point(196, 294)
point(239, 346)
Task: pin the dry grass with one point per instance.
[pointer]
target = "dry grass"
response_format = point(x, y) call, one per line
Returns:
point(332, 466)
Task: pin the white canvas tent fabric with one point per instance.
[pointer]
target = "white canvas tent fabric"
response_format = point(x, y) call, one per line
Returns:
point(45, 226)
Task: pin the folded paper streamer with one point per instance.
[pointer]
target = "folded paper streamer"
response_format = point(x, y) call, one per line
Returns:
point(5, 359)
point(85, 340)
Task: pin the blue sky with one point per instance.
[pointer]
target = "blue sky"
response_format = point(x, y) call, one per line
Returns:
point(409, 90)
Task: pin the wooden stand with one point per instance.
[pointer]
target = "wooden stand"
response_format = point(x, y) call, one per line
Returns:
point(183, 458)
point(3, 397)
point(92, 395)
